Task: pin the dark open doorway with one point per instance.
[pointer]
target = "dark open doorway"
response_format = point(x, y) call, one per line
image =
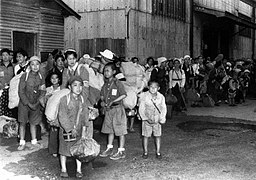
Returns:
point(24, 40)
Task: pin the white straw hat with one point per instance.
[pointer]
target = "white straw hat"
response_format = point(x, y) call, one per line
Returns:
point(107, 54)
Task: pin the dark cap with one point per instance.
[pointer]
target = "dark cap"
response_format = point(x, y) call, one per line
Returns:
point(75, 78)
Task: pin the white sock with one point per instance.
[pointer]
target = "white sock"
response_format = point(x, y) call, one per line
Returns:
point(109, 146)
point(121, 149)
point(33, 141)
point(22, 142)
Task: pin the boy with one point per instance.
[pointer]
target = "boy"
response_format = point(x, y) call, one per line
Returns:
point(152, 110)
point(31, 89)
point(115, 122)
point(73, 117)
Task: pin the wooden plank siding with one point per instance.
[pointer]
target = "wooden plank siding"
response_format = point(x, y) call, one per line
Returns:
point(129, 27)
point(33, 16)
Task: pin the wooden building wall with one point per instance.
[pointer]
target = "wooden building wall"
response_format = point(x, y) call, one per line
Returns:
point(42, 18)
point(131, 24)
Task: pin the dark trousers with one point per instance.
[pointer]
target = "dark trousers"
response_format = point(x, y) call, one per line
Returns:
point(53, 144)
point(180, 103)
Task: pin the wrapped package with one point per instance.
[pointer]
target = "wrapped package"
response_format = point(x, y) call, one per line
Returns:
point(85, 149)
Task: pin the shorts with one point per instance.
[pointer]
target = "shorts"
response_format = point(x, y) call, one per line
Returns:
point(115, 121)
point(25, 115)
point(149, 129)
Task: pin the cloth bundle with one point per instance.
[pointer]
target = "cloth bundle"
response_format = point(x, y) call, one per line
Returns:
point(85, 149)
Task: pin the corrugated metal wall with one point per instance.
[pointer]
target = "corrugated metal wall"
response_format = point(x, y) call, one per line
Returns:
point(27, 16)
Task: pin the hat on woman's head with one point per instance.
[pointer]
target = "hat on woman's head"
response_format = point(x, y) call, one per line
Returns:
point(160, 60)
point(176, 59)
point(72, 50)
point(107, 54)
point(187, 56)
point(34, 58)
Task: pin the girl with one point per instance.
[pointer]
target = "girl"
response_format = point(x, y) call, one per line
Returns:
point(115, 122)
point(31, 88)
point(54, 131)
point(21, 66)
point(177, 79)
point(73, 117)
point(59, 65)
point(152, 109)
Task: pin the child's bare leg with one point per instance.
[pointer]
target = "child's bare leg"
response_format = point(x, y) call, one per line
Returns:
point(22, 130)
point(121, 141)
point(78, 166)
point(158, 144)
point(145, 144)
point(131, 123)
point(63, 160)
point(111, 139)
point(33, 133)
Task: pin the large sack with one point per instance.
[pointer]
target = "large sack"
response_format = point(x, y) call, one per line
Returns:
point(135, 75)
point(11, 129)
point(130, 100)
point(85, 149)
point(13, 92)
point(52, 106)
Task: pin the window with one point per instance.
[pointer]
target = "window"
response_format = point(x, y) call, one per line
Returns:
point(175, 9)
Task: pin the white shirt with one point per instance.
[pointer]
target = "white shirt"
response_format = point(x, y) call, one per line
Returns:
point(177, 77)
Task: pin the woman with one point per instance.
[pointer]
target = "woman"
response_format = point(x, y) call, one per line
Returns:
point(177, 79)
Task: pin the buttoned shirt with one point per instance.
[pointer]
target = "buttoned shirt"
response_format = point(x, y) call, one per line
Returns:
point(111, 90)
point(177, 77)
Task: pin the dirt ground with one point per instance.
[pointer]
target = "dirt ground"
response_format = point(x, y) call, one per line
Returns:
point(192, 149)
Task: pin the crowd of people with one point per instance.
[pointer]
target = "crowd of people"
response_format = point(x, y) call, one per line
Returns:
point(105, 82)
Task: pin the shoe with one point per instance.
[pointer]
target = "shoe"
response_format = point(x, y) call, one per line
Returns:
point(79, 175)
point(107, 152)
point(145, 155)
point(118, 155)
point(64, 174)
point(158, 156)
point(21, 147)
point(35, 146)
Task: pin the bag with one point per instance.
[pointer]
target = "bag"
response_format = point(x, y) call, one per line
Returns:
point(193, 95)
point(208, 101)
point(14, 90)
point(93, 113)
point(52, 107)
point(170, 99)
point(11, 129)
point(85, 149)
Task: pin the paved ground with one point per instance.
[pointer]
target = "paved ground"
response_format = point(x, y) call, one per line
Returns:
point(196, 146)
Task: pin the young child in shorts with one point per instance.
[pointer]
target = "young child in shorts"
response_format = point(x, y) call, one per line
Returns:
point(115, 121)
point(152, 110)
point(73, 118)
point(31, 89)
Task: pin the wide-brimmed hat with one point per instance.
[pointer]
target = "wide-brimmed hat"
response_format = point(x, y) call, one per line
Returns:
point(187, 56)
point(34, 58)
point(107, 54)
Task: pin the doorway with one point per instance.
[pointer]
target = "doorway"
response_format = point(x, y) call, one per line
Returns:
point(24, 40)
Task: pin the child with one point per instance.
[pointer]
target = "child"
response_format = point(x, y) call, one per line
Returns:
point(233, 88)
point(31, 88)
point(21, 57)
point(152, 110)
point(115, 122)
point(6, 74)
point(54, 131)
point(73, 117)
